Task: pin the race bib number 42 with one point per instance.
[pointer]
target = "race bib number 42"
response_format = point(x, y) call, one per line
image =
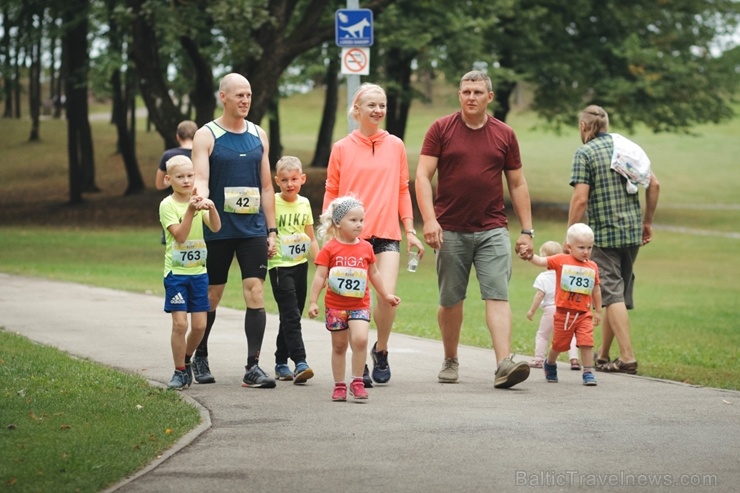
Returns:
point(242, 200)
point(348, 281)
point(575, 279)
point(190, 254)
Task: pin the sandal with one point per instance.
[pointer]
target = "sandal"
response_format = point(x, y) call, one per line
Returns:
point(574, 364)
point(535, 363)
point(600, 362)
point(618, 366)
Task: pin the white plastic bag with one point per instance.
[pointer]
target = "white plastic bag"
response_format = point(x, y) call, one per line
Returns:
point(630, 161)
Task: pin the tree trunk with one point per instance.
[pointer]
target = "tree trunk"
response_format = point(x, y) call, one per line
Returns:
point(276, 145)
point(34, 83)
point(7, 64)
point(202, 96)
point(79, 138)
point(502, 99)
point(399, 95)
point(145, 53)
point(17, 81)
point(329, 115)
point(131, 163)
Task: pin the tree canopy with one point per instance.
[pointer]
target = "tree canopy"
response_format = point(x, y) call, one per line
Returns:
point(651, 62)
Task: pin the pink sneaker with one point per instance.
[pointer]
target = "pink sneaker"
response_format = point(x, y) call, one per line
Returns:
point(340, 392)
point(357, 389)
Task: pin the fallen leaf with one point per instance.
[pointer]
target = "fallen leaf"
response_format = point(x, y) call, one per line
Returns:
point(65, 427)
point(139, 407)
point(168, 431)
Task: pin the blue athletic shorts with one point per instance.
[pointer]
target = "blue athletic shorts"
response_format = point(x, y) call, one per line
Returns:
point(186, 293)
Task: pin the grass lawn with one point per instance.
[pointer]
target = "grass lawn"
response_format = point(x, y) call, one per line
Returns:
point(74, 425)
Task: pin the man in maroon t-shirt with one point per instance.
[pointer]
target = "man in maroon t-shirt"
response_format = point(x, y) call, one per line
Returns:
point(466, 223)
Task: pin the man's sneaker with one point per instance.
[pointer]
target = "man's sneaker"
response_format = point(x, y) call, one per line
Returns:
point(357, 389)
point(201, 370)
point(381, 369)
point(589, 379)
point(510, 373)
point(366, 380)
point(551, 372)
point(302, 373)
point(179, 381)
point(189, 371)
point(282, 372)
point(340, 392)
point(449, 371)
point(256, 377)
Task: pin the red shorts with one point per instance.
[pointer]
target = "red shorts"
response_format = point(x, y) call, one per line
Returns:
point(569, 322)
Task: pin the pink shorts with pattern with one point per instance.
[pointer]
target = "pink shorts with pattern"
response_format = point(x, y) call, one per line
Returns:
point(337, 320)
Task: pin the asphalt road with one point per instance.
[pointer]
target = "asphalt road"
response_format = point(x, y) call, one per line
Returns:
point(412, 435)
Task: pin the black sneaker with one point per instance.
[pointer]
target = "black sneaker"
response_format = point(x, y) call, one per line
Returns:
point(189, 371)
point(381, 369)
point(201, 370)
point(255, 377)
point(366, 380)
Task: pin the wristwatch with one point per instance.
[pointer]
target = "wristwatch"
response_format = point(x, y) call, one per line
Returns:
point(529, 232)
point(411, 231)
point(272, 230)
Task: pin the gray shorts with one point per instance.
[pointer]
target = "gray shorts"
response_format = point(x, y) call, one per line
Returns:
point(490, 253)
point(616, 274)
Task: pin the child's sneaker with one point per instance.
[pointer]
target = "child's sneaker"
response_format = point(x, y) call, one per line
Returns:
point(283, 373)
point(179, 381)
point(575, 365)
point(302, 373)
point(551, 372)
point(589, 379)
point(357, 389)
point(535, 363)
point(340, 392)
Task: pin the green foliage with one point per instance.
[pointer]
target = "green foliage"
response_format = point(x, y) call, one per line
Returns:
point(50, 442)
point(647, 62)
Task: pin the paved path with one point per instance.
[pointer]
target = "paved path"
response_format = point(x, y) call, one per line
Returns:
point(413, 435)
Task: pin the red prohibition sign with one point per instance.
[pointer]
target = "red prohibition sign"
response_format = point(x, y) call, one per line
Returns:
point(355, 60)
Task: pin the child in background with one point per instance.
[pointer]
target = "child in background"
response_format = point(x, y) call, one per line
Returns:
point(576, 292)
point(544, 297)
point(289, 267)
point(347, 262)
point(182, 215)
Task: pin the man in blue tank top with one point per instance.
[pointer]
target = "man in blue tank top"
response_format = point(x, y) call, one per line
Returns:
point(233, 170)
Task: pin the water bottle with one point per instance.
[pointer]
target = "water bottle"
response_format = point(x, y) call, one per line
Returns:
point(413, 261)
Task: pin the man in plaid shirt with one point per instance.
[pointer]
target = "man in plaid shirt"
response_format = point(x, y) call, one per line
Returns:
point(620, 229)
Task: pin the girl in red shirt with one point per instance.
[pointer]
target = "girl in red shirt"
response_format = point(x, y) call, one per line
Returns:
point(347, 262)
